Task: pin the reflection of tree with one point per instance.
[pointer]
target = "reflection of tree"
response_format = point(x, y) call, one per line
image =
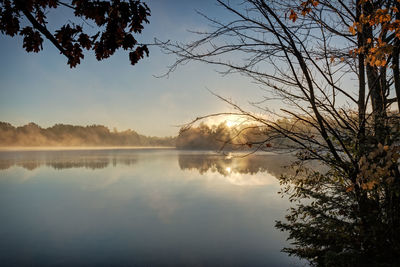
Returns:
point(59, 163)
point(96, 164)
point(274, 164)
point(5, 164)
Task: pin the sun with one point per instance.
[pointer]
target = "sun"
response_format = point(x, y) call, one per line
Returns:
point(230, 124)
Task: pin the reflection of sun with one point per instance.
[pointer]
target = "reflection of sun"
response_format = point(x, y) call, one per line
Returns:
point(228, 169)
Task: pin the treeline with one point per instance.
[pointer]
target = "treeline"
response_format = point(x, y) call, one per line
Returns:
point(71, 135)
point(196, 137)
point(223, 137)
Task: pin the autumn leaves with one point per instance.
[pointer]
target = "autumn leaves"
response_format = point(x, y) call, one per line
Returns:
point(386, 21)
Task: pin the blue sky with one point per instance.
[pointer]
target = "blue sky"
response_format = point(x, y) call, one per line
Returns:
point(41, 87)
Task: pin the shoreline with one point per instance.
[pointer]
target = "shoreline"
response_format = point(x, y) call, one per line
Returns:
point(61, 148)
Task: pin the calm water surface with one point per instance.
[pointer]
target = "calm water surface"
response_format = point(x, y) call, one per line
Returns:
point(140, 208)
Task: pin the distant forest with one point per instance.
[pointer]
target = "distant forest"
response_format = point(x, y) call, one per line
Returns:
point(198, 137)
point(69, 135)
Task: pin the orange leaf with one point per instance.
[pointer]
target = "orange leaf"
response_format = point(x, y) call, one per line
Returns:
point(293, 15)
point(352, 30)
point(350, 188)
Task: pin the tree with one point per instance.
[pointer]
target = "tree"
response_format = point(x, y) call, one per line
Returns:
point(335, 67)
point(116, 20)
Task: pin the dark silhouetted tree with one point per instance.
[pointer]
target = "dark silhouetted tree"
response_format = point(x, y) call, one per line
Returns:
point(335, 67)
point(116, 23)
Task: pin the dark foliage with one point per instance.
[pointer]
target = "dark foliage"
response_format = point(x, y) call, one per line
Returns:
point(116, 23)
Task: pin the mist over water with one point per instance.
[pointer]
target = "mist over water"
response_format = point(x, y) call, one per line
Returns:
point(140, 208)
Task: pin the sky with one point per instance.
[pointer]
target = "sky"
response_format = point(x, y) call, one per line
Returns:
point(41, 87)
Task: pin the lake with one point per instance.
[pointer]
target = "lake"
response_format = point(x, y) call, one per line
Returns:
point(141, 207)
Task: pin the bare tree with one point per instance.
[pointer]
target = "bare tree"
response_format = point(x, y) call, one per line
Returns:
point(337, 75)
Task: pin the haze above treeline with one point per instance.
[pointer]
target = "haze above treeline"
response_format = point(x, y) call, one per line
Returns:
point(199, 137)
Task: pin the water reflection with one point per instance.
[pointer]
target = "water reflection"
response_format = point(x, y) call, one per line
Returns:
point(100, 159)
point(140, 208)
point(226, 166)
point(59, 160)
